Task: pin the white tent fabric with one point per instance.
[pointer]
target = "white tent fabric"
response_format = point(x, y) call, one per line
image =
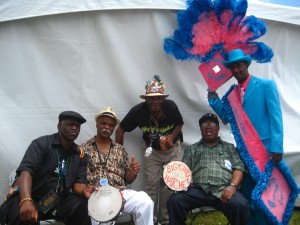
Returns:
point(20, 9)
point(52, 60)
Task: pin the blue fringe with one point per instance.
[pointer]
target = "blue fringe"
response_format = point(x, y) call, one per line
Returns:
point(261, 178)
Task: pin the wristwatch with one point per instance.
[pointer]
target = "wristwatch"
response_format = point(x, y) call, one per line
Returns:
point(233, 184)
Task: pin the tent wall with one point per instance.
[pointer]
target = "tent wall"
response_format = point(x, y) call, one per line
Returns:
point(283, 10)
point(88, 60)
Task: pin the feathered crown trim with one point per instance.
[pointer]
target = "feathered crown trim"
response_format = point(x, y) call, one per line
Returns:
point(207, 27)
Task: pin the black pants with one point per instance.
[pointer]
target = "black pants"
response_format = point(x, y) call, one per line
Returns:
point(180, 203)
point(72, 210)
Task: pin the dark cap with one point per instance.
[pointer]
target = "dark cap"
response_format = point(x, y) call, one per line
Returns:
point(71, 115)
point(208, 116)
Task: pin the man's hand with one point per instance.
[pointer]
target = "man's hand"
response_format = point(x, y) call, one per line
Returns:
point(134, 166)
point(28, 212)
point(228, 193)
point(88, 191)
point(169, 141)
point(212, 95)
point(276, 157)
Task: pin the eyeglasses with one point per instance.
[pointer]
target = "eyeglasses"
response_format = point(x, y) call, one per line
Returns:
point(211, 124)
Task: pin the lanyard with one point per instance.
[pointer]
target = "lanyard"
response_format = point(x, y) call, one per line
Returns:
point(62, 166)
point(104, 162)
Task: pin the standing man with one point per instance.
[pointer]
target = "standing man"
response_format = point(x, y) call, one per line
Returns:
point(260, 102)
point(51, 166)
point(217, 171)
point(161, 124)
point(109, 162)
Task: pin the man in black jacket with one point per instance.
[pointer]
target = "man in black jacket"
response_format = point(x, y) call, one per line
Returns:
point(51, 166)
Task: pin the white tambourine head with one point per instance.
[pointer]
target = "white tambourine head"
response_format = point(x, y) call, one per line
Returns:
point(105, 204)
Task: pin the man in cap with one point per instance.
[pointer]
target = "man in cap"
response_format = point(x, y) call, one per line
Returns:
point(51, 166)
point(260, 101)
point(217, 174)
point(161, 124)
point(109, 163)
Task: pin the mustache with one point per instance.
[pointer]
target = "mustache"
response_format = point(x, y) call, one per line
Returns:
point(106, 130)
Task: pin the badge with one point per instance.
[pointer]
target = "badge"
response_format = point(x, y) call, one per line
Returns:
point(103, 182)
point(148, 151)
point(49, 202)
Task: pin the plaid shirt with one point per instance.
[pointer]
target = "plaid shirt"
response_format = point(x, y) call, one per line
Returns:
point(208, 165)
point(113, 165)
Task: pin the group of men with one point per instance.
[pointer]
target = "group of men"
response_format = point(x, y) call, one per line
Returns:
point(56, 177)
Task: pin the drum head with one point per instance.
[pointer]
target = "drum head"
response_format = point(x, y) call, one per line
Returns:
point(177, 175)
point(105, 204)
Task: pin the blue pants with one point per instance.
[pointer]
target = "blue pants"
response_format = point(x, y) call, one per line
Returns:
point(180, 203)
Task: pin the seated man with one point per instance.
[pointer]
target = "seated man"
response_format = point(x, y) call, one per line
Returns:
point(217, 172)
point(109, 160)
point(51, 166)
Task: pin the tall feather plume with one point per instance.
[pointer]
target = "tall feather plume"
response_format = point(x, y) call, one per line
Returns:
point(209, 27)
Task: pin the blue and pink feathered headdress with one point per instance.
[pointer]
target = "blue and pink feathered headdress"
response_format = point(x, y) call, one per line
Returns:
point(209, 27)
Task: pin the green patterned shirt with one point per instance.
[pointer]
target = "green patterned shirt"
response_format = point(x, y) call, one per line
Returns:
point(212, 167)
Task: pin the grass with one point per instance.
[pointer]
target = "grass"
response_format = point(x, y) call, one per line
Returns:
point(217, 218)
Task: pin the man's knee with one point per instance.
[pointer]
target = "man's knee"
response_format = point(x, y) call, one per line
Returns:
point(145, 199)
point(9, 211)
point(173, 200)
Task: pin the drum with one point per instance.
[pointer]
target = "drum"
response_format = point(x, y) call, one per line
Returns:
point(105, 204)
point(177, 176)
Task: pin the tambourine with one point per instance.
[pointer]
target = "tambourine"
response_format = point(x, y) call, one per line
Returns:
point(105, 204)
point(177, 176)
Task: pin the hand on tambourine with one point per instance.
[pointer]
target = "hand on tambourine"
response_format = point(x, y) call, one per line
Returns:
point(134, 165)
point(88, 191)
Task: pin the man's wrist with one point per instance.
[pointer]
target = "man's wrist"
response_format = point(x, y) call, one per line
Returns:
point(233, 184)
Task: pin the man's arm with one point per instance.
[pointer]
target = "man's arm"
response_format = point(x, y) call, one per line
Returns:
point(276, 125)
point(237, 177)
point(28, 212)
point(119, 135)
point(131, 174)
point(174, 134)
point(236, 180)
point(216, 104)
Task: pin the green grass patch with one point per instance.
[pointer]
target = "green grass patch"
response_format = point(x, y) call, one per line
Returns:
point(218, 218)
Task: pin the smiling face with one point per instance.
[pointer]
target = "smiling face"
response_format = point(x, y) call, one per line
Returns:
point(209, 131)
point(240, 71)
point(105, 126)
